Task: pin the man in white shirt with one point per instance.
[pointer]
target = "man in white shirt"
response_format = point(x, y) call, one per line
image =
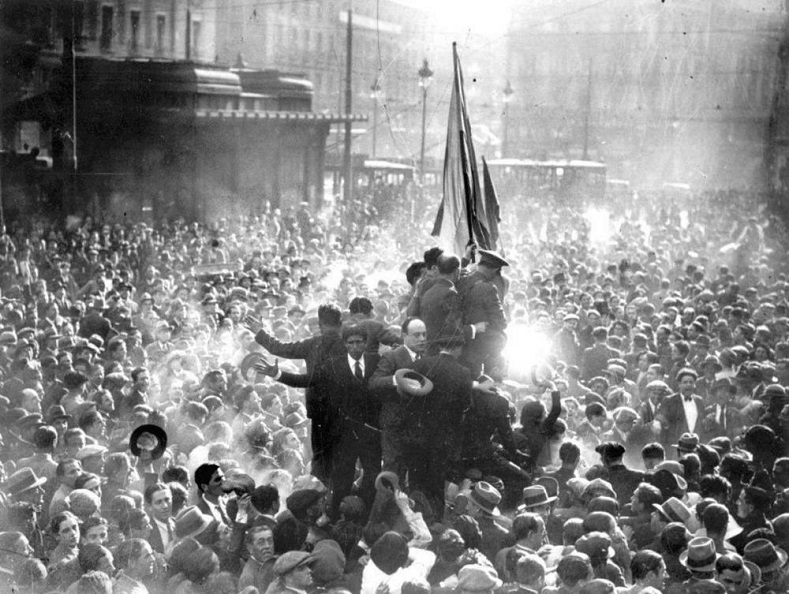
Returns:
point(393, 563)
point(159, 503)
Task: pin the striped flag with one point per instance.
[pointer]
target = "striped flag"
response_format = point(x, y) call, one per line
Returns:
point(492, 207)
point(457, 222)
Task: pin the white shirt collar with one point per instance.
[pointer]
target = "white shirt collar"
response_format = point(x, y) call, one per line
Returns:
point(352, 364)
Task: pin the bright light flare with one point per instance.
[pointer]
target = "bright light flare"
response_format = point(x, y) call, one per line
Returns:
point(599, 225)
point(526, 348)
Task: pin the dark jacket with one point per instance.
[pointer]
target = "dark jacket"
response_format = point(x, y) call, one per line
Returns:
point(313, 350)
point(349, 401)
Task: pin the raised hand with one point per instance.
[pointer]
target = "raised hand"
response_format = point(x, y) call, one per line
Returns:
point(266, 368)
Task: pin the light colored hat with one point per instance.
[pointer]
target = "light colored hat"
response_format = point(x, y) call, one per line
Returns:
point(190, 522)
point(478, 578)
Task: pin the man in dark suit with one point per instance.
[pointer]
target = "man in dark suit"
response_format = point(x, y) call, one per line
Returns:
point(384, 385)
point(721, 417)
point(352, 413)
point(314, 350)
point(622, 479)
point(361, 309)
point(432, 428)
point(594, 360)
point(681, 412)
point(441, 307)
point(159, 501)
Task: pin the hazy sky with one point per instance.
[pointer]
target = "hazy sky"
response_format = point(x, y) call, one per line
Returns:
point(481, 17)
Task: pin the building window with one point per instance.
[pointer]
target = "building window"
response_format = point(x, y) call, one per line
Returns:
point(106, 28)
point(92, 19)
point(134, 17)
point(196, 30)
point(161, 32)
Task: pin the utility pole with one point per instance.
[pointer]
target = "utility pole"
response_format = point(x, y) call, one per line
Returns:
point(346, 165)
point(188, 33)
point(588, 111)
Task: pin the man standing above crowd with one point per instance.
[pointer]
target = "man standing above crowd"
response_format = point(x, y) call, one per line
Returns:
point(352, 413)
point(383, 382)
point(483, 293)
point(314, 350)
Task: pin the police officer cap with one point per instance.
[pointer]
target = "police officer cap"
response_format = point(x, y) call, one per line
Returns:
point(492, 259)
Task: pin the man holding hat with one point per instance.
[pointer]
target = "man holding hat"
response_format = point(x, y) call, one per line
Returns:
point(483, 293)
point(432, 426)
point(383, 383)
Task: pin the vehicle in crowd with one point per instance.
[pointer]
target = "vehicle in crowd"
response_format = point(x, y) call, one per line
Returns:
point(570, 181)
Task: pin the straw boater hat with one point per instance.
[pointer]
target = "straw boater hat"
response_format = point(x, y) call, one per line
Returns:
point(672, 510)
point(478, 578)
point(22, 480)
point(412, 383)
point(700, 556)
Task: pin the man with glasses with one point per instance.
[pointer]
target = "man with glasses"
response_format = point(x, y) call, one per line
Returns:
point(212, 500)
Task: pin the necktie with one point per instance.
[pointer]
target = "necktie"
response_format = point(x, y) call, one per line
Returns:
point(688, 398)
point(358, 372)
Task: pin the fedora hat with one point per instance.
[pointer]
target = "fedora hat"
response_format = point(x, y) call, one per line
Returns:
point(765, 555)
point(700, 555)
point(672, 510)
point(190, 522)
point(22, 480)
point(486, 497)
point(670, 484)
point(143, 438)
point(412, 383)
point(247, 366)
point(55, 413)
point(536, 495)
point(387, 480)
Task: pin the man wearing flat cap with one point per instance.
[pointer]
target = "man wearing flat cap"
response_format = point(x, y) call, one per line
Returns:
point(293, 573)
point(483, 293)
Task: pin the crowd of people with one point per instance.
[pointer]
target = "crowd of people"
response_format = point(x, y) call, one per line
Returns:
point(260, 405)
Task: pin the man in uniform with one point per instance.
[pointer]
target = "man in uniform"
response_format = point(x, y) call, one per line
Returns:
point(483, 293)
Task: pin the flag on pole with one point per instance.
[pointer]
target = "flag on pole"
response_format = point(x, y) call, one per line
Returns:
point(492, 207)
point(457, 222)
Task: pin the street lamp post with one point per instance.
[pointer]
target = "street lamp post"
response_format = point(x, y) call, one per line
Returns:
point(425, 78)
point(507, 98)
point(375, 92)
